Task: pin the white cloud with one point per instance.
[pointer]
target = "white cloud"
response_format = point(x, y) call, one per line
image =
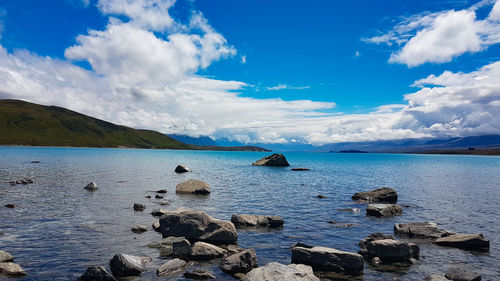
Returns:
point(243, 59)
point(286, 87)
point(439, 37)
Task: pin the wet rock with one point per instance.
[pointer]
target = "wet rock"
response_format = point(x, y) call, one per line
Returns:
point(182, 169)
point(199, 274)
point(193, 187)
point(373, 237)
point(139, 229)
point(300, 169)
point(436, 277)
point(383, 210)
point(241, 262)
point(35, 161)
point(169, 241)
point(232, 249)
point(354, 210)
point(383, 194)
point(320, 196)
point(205, 251)
point(10, 206)
point(421, 230)
point(139, 207)
point(91, 186)
point(181, 249)
point(462, 274)
point(156, 226)
point(329, 259)
point(1, 233)
point(158, 196)
point(159, 212)
point(172, 267)
point(162, 191)
point(198, 226)
point(24, 181)
point(272, 160)
point(465, 241)
point(5, 257)
point(96, 273)
point(376, 261)
point(274, 271)
point(123, 265)
point(245, 220)
point(392, 251)
point(337, 224)
point(11, 269)
point(147, 196)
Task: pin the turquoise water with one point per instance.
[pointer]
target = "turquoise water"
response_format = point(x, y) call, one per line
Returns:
point(58, 229)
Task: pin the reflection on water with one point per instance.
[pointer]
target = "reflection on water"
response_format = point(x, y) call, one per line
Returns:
point(58, 229)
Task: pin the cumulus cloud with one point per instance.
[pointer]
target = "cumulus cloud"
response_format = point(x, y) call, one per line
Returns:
point(439, 37)
point(286, 87)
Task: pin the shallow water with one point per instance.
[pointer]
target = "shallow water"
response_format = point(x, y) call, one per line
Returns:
point(58, 229)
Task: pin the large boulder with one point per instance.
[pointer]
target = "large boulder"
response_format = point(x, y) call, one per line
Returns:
point(91, 186)
point(329, 259)
point(272, 160)
point(205, 251)
point(244, 220)
point(123, 265)
point(384, 210)
point(11, 269)
point(274, 271)
point(462, 274)
point(96, 273)
point(241, 262)
point(421, 230)
point(5, 257)
point(171, 267)
point(465, 241)
point(390, 251)
point(383, 194)
point(197, 226)
point(193, 187)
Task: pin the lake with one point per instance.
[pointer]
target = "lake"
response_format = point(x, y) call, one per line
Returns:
point(58, 229)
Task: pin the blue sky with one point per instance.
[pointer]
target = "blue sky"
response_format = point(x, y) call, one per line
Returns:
point(261, 71)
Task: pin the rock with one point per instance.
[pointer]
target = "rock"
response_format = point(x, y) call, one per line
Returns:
point(199, 274)
point(241, 262)
point(373, 237)
point(5, 257)
point(10, 206)
point(158, 196)
point(354, 210)
point(198, 226)
point(329, 259)
point(272, 160)
point(96, 273)
point(91, 186)
point(205, 251)
point(162, 191)
point(35, 161)
point(383, 210)
point(11, 269)
point(383, 194)
point(300, 169)
point(274, 271)
point(123, 265)
point(139, 229)
point(390, 250)
point(181, 249)
point(156, 226)
point(169, 241)
point(376, 261)
point(158, 213)
point(24, 181)
point(465, 241)
point(182, 169)
point(232, 249)
point(341, 225)
point(245, 220)
point(192, 187)
point(462, 274)
point(1, 233)
point(171, 267)
point(320, 196)
point(147, 196)
point(422, 230)
point(139, 207)
point(436, 277)
point(163, 203)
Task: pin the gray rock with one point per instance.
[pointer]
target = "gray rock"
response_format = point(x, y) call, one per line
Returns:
point(274, 271)
point(123, 265)
point(376, 261)
point(159, 212)
point(11, 269)
point(436, 277)
point(373, 237)
point(182, 169)
point(24, 181)
point(462, 274)
point(245, 220)
point(383, 210)
point(96, 273)
point(157, 196)
point(5, 257)
point(169, 241)
point(162, 191)
point(421, 230)
point(139, 229)
point(241, 262)
point(205, 251)
point(465, 241)
point(198, 226)
point(10, 206)
point(300, 169)
point(139, 207)
point(156, 226)
point(199, 274)
point(383, 194)
point(321, 196)
point(272, 160)
point(193, 187)
point(172, 267)
point(390, 250)
point(181, 249)
point(91, 186)
point(329, 259)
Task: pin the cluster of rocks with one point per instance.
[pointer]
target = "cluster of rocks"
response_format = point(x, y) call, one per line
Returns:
point(21, 181)
point(384, 249)
point(8, 267)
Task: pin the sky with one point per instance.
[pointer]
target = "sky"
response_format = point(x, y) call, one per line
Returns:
point(256, 71)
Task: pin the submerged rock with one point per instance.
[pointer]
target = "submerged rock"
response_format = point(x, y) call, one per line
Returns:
point(199, 274)
point(24, 181)
point(422, 230)
point(198, 226)
point(157, 196)
point(139, 229)
point(182, 169)
point(193, 187)
point(169, 241)
point(354, 210)
point(274, 271)
point(91, 186)
point(5, 257)
point(96, 273)
point(123, 265)
point(465, 241)
point(320, 196)
point(383, 210)
point(245, 220)
point(272, 160)
point(172, 267)
point(329, 259)
point(300, 169)
point(11, 269)
point(462, 274)
point(139, 207)
point(383, 194)
point(241, 262)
